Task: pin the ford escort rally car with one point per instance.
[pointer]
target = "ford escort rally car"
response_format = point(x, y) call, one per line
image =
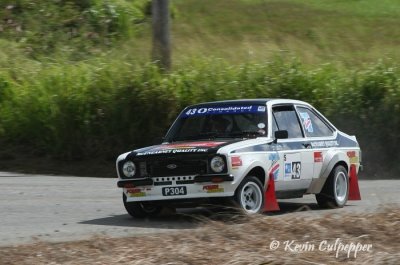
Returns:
point(251, 152)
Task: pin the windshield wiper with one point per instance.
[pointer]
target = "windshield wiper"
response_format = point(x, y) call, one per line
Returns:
point(205, 135)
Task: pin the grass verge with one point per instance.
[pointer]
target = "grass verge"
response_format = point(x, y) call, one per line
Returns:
point(222, 242)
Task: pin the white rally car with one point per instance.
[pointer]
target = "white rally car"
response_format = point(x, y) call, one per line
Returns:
point(247, 151)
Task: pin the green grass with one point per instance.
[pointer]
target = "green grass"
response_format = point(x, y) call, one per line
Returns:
point(360, 8)
point(343, 32)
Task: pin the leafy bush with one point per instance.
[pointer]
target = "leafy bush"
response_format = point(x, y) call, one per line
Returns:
point(101, 108)
point(69, 27)
point(82, 110)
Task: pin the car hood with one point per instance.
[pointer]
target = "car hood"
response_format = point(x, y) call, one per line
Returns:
point(187, 147)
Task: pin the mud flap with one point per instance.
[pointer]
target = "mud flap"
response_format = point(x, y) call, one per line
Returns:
point(354, 190)
point(270, 203)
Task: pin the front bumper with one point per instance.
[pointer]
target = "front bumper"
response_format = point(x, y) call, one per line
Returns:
point(200, 186)
point(214, 178)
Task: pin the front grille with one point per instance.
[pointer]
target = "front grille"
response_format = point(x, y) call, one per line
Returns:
point(174, 167)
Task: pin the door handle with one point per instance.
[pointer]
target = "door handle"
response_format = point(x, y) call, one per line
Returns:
point(307, 145)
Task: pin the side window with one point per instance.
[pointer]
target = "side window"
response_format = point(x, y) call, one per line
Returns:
point(286, 119)
point(312, 124)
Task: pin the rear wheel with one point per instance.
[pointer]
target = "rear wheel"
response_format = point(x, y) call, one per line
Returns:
point(141, 209)
point(335, 192)
point(250, 196)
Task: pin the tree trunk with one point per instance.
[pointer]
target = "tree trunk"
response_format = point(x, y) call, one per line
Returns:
point(161, 52)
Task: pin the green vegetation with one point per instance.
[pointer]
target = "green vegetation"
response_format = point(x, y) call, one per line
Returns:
point(71, 29)
point(75, 81)
point(84, 111)
point(346, 33)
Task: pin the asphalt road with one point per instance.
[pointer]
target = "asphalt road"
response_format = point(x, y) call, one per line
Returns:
point(62, 208)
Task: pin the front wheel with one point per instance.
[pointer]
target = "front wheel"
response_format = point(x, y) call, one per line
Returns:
point(335, 192)
point(250, 196)
point(141, 209)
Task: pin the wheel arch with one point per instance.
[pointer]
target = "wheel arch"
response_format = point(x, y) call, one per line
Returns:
point(342, 163)
point(332, 159)
point(259, 173)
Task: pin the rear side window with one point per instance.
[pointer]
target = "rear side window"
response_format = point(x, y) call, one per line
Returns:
point(286, 119)
point(313, 125)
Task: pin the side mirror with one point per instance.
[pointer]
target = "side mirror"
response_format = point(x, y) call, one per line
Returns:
point(283, 134)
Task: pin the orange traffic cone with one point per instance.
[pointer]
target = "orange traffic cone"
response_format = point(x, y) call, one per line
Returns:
point(354, 190)
point(270, 203)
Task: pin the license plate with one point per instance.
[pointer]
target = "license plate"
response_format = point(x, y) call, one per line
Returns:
point(173, 191)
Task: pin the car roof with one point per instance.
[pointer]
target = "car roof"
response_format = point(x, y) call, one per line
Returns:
point(259, 101)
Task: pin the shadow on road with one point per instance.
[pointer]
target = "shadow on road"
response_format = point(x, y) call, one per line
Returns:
point(194, 217)
point(182, 219)
point(290, 207)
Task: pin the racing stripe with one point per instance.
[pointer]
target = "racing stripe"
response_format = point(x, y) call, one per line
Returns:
point(339, 141)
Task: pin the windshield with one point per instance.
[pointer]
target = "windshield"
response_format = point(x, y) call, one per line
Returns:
point(220, 122)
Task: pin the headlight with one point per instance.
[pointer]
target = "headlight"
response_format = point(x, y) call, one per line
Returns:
point(217, 164)
point(129, 169)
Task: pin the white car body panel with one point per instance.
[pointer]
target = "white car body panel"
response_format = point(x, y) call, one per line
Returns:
point(309, 167)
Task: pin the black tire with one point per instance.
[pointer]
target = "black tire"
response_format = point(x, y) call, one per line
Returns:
point(141, 209)
point(255, 195)
point(335, 192)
